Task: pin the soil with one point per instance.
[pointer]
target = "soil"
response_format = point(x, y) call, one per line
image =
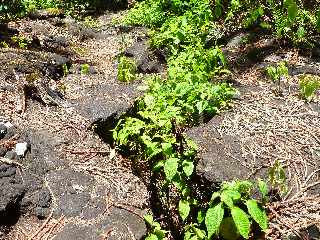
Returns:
point(72, 184)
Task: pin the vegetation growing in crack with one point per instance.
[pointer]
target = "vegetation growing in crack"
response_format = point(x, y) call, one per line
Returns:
point(188, 96)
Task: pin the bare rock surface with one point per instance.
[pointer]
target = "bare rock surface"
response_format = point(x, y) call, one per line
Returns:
point(106, 102)
point(220, 155)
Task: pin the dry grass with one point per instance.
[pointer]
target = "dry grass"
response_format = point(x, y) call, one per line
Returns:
point(273, 127)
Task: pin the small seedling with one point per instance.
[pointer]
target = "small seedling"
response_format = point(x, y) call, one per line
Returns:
point(4, 44)
point(277, 178)
point(65, 70)
point(85, 69)
point(91, 22)
point(309, 85)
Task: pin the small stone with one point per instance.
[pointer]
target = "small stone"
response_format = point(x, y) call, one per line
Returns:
point(21, 149)
point(41, 213)
point(44, 199)
point(11, 155)
point(3, 131)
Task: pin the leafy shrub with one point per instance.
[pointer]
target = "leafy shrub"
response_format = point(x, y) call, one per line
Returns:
point(309, 85)
point(21, 41)
point(230, 213)
point(126, 69)
point(31, 5)
point(10, 9)
point(147, 13)
point(17, 8)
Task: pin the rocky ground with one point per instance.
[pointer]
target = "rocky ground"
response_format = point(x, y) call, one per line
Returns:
point(59, 177)
point(66, 183)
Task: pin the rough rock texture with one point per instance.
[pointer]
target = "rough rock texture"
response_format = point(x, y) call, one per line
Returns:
point(105, 102)
point(147, 61)
point(32, 74)
point(67, 171)
point(71, 190)
point(220, 155)
point(118, 224)
point(12, 189)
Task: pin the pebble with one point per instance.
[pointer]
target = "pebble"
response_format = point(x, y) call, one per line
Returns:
point(3, 131)
point(21, 149)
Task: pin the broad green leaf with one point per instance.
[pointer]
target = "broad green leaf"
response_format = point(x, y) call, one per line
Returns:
point(171, 167)
point(179, 183)
point(228, 229)
point(292, 10)
point(318, 20)
point(149, 100)
point(152, 237)
point(258, 214)
point(214, 196)
point(213, 219)
point(184, 209)
point(244, 187)
point(229, 196)
point(187, 235)
point(199, 233)
point(188, 167)
point(161, 234)
point(158, 166)
point(241, 221)
point(167, 148)
point(301, 32)
point(149, 219)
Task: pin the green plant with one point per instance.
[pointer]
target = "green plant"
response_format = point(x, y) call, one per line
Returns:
point(230, 213)
point(85, 69)
point(91, 22)
point(147, 13)
point(309, 85)
point(4, 44)
point(277, 72)
point(156, 232)
point(21, 41)
point(277, 179)
point(65, 69)
point(189, 94)
point(127, 69)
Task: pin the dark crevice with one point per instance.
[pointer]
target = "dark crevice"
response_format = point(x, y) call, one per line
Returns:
point(9, 218)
